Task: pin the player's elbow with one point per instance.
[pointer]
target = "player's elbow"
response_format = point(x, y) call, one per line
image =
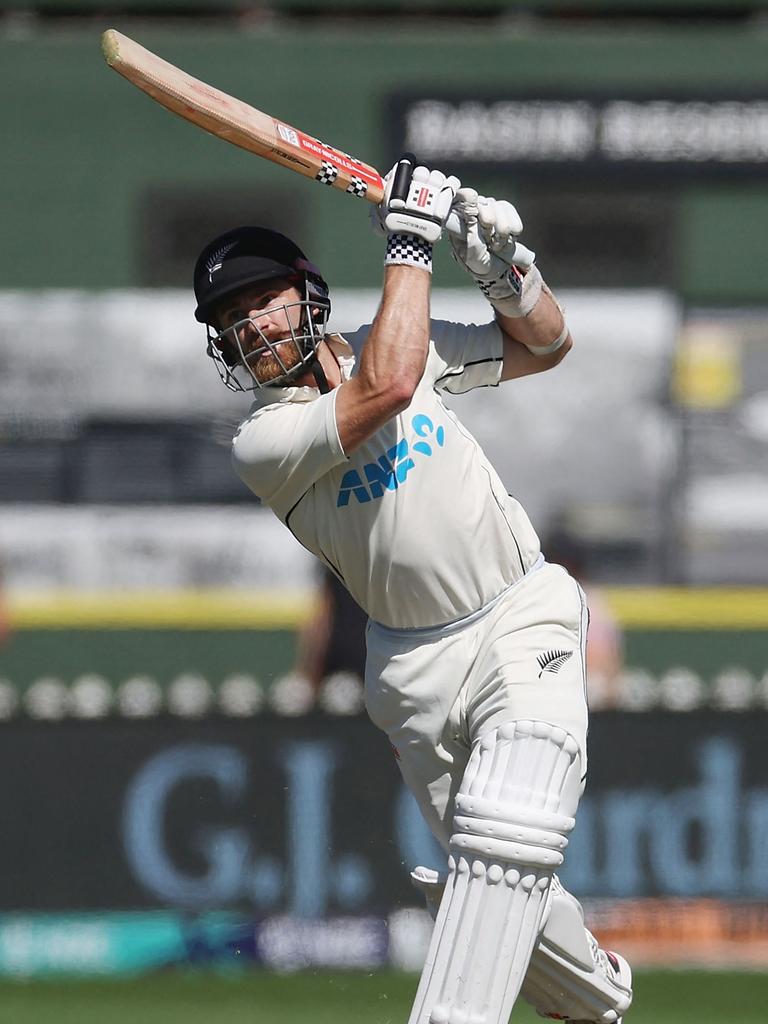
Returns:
point(373, 400)
point(393, 390)
point(393, 401)
point(401, 391)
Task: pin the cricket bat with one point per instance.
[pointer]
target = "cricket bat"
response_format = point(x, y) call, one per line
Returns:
point(235, 121)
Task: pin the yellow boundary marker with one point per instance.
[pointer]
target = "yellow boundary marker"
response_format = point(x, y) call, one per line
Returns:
point(200, 609)
point(689, 608)
point(635, 607)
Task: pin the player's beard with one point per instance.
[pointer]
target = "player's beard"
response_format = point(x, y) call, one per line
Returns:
point(265, 365)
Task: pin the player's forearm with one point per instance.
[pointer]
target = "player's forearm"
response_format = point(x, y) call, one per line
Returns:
point(540, 328)
point(392, 361)
point(506, 274)
point(394, 356)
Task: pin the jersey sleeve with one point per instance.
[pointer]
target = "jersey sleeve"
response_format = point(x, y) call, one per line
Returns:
point(282, 449)
point(464, 356)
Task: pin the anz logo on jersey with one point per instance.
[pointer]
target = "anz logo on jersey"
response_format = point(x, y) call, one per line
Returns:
point(392, 467)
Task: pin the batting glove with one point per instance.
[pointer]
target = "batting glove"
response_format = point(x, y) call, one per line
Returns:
point(487, 247)
point(413, 212)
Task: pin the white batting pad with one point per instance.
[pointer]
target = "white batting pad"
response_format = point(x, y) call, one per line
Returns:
point(514, 811)
point(569, 976)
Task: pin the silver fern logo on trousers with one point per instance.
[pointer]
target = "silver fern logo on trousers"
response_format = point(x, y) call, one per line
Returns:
point(216, 260)
point(552, 661)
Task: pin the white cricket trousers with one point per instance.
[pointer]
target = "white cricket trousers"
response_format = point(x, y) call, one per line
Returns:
point(435, 693)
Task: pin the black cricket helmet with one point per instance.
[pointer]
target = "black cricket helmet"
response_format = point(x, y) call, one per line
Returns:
point(247, 256)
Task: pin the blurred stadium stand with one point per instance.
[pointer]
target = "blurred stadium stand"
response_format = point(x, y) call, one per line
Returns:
point(108, 462)
point(632, 135)
point(102, 189)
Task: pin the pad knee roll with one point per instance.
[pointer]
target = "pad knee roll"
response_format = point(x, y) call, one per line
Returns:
point(517, 810)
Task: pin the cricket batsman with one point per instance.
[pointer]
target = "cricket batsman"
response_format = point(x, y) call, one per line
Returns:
point(475, 644)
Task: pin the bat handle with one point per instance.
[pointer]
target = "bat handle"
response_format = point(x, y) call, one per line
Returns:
point(401, 182)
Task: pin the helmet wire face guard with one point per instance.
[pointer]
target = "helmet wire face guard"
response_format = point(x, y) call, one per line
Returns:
point(243, 259)
point(294, 354)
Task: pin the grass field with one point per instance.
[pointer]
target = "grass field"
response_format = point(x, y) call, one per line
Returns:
point(322, 998)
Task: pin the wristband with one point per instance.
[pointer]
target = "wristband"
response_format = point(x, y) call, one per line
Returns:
point(547, 350)
point(408, 251)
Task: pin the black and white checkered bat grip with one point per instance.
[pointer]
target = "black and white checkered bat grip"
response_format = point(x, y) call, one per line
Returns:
point(329, 173)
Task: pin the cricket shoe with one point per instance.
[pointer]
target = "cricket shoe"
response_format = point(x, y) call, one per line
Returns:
point(619, 974)
point(569, 977)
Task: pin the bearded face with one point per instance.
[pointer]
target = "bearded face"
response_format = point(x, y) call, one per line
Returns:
point(260, 328)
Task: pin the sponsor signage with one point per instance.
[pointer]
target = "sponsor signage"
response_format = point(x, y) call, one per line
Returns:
point(308, 818)
point(130, 943)
point(686, 135)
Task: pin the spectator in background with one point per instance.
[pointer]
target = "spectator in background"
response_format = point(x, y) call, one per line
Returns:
point(329, 666)
point(333, 638)
point(605, 641)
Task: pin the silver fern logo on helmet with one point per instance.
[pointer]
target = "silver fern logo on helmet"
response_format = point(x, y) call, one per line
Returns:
point(216, 260)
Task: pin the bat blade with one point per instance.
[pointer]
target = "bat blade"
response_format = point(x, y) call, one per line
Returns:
point(237, 122)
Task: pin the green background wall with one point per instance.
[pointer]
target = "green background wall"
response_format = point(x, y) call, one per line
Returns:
point(81, 147)
point(164, 654)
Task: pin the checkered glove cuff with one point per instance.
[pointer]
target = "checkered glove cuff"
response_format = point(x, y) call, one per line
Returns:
point(408, 251)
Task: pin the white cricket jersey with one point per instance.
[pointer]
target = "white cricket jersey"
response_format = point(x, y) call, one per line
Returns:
point(415, 522)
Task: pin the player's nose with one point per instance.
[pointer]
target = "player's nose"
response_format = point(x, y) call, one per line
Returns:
point(265, 320)
point(260, 325)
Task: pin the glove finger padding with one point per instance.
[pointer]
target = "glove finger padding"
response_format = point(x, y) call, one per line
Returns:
point(466, 205)
point(491, 225)
point(487, 248)
point(469, 247)
point(499, 223)
point(471, 251)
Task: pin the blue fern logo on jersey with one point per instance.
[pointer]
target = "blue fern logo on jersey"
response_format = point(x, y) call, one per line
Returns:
point(392, 467)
